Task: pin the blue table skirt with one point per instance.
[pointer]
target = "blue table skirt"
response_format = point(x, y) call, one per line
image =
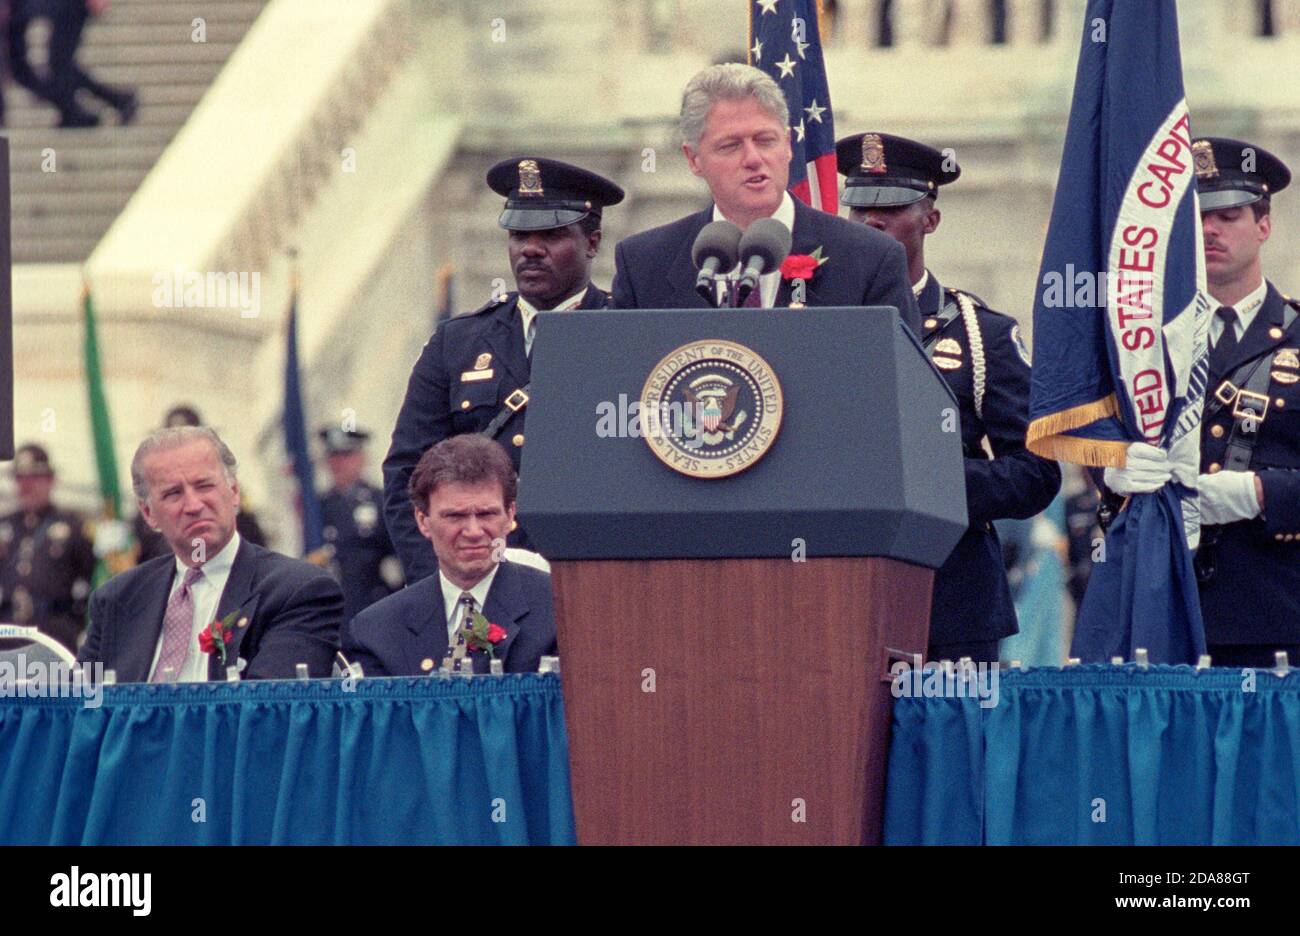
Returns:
point(1094, 754)
point(393, 761)
point(1101, 755)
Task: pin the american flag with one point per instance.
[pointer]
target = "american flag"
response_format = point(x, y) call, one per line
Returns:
point(785, 41)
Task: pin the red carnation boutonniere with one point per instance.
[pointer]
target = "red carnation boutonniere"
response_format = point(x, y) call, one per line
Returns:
point(482, 634)
point(214, 637)
point(802, 266)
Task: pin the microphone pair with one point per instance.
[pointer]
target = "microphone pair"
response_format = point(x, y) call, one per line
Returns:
point(720, 245)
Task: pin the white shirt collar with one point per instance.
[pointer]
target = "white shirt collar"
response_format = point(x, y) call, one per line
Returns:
point(527, 311)
point(219, 564)
point(1249, 305)
point(451, 595)
point(784, 211)
point(919, 286)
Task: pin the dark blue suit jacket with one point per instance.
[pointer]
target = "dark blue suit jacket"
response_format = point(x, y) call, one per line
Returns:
point(294, 612)
point(439, 403)
point(972, 598)
point(653, 269)
point(1253, 596)
point(395, 636)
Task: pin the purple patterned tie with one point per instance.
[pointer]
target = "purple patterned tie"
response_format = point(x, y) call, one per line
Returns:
point(178, 629)
point(755, 298)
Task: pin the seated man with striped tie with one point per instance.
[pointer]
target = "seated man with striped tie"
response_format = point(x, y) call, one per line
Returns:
point(215, 601)
point(480, 606)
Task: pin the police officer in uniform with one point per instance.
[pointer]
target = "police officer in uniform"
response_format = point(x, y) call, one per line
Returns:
point(1248, 563)
point(149, 543)
point(472, 375)
point(46, 557)
point(892, 184)
point(361, 554)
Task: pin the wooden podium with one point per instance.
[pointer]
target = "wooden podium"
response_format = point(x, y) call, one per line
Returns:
point(726, 642)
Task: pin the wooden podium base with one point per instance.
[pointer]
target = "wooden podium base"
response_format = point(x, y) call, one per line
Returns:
point(750, 704)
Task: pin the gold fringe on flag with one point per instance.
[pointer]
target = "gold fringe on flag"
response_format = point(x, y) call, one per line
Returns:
point(1045, 436)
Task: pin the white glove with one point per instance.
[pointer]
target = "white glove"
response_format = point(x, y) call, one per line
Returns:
point(1147, 470)
point(1227, 496)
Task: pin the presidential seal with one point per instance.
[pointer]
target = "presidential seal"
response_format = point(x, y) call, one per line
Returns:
point(711, 409)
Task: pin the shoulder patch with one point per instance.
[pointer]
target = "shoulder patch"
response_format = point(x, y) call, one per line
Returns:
point(1019, 342)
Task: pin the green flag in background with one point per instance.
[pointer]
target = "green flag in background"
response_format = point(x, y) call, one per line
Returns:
point(112, 536)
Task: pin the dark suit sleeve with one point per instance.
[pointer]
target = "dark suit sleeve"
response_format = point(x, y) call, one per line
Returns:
point(424, 419)
point(91, 651)
point(305, 630)
point(356, 650)
point(890, 286)
point(621, 294)
point(1016, 484)
point(1281, 500)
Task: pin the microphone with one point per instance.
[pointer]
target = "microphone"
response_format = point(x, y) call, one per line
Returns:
point(715, 251)
point(765, 245)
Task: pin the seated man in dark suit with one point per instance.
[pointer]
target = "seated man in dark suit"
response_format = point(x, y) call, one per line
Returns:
point(159, 621)
point(479, 606)
point(736, 136)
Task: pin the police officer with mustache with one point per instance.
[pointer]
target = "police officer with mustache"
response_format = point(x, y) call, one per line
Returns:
point(473, 374)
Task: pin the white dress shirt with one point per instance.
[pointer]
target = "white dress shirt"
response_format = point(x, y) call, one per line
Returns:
point(206, 595)
point(1247, 309)
point(768, 283)
point(451, 593)
point(527, 312)
point(919, 286)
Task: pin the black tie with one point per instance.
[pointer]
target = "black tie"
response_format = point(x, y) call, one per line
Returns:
point(1226, 346)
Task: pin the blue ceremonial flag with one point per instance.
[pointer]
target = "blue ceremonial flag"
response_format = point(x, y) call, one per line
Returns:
point(785, 42)
point(1120, 324)
point(295, 440)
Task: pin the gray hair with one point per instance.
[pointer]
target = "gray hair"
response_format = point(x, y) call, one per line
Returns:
point(162, 440)
point(727, 82)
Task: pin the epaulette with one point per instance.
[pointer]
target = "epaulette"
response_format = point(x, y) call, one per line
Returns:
point(952, 294)
point(491, 304)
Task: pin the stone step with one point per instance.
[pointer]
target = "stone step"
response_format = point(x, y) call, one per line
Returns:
point(131, 75)
point(54, 249)
point(26, 163)
point(26, 185)
point(103, 137)
point(124, 12)
point(174, 51)
point(40, 115)
point(74, 212)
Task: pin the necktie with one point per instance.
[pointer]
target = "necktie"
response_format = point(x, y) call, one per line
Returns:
point(755, 298)
point(178, 628)
point(459, 647)
point(1226, 346)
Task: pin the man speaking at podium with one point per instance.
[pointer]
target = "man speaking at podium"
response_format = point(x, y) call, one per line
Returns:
point(736, 136)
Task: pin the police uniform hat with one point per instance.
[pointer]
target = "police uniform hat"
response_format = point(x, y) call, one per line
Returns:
point(182, 415)
point(32, 461)
point(340, 441)
point(1230, 173)
point(542, 194)
point(886, 171)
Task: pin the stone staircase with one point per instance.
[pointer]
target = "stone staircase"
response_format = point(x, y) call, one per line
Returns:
point(59, 216)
